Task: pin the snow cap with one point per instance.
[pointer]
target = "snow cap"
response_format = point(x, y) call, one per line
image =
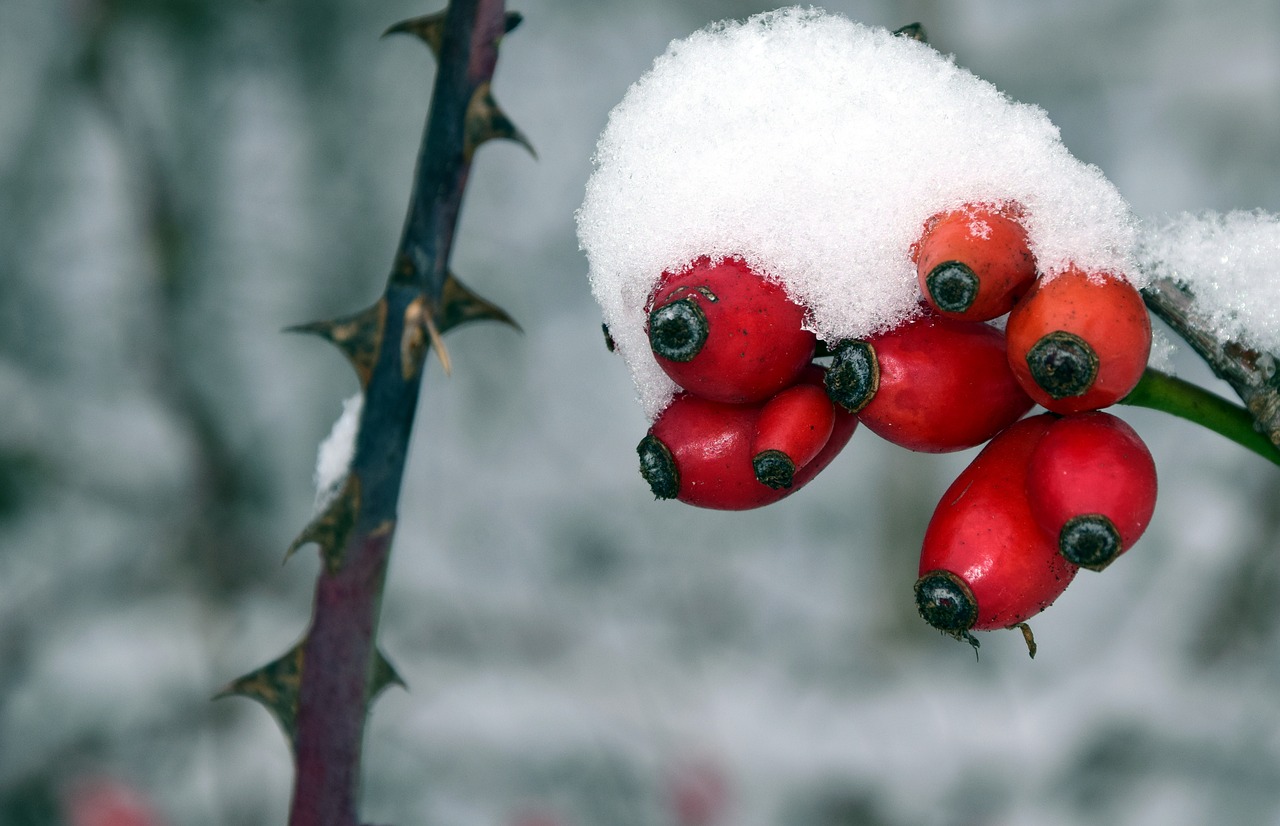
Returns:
point(815, 148)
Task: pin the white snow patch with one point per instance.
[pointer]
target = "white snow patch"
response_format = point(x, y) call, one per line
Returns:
point(1229, 262)
point(815, 148)
point(333, 459)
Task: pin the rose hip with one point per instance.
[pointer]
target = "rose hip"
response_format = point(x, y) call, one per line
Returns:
point(793, 428)
point(1092, 484)
point(723, 332)
point(986, 563)
point(1079, 341)
point(933, 384)
point(974, 263)
point(699, 451)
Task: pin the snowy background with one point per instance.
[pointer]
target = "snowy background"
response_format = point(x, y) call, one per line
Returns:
point(179, 179)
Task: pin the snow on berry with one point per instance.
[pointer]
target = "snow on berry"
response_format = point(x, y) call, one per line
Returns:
point(815, 149)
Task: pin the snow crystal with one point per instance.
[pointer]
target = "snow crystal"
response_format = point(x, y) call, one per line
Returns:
point(815, 148)
point(1229, 264)
point(333, 459)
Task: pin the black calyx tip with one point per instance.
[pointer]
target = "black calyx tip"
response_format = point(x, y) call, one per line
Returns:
point(1090, 541)
point(854, 375)
point(946, 603)
point(952, 286)
point(678, 330)
point(1063, 364)
point(775, 469)
point(658, 467)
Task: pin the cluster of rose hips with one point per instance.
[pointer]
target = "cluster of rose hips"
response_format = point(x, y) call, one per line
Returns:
point(764, 406)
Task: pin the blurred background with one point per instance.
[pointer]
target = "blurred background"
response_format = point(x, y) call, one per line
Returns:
point(180, 179)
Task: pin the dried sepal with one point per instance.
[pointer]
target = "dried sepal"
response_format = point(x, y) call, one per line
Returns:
point(421, 332)
point(358, 336)
point(330, 529)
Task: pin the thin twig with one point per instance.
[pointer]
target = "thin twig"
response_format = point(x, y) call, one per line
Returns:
point(1250, 373)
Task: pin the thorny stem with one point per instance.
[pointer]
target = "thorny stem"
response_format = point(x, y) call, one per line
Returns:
point(1160, 391)
point(339, 655)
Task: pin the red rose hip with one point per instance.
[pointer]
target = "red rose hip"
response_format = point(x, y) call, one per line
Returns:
point(974, 263)
point(793, 428)
point(723, 332)
point(933, 384)
point(1079, 341)
point(1092, 485)
point(700, 452)
point(986, 563)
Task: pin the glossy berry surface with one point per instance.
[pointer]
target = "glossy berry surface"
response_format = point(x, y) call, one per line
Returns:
point(700, 452)
point(941, 385)
point(986, 563)
point(723, 332)
point(1092, 484)
point(1079, 341)
point(793, 428)
point(974, 263)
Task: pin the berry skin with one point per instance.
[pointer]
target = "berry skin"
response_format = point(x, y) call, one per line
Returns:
point(933, 384)
point(1079, 341)
point(986, 563)
point(793, 428)
point(974, 263)
point(1092, 484)
point(699, 451)
point(723, 332)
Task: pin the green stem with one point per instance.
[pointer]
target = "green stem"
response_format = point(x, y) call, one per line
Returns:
point(1160, 391)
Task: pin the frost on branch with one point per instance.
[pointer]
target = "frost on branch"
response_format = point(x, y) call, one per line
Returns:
point(1228, 262)
point(815, 148)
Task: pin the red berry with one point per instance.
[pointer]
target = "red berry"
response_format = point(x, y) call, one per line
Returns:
point(794, 426)
point(723, 332)
point(1092, 484)
point(986, 563)
point(699, 451)
point(109, 802)
point(698, 795)
point(934, 384)
point(1079, 341)
point(974, 263)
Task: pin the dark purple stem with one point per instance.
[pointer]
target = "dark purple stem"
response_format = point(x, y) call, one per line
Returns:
point(339, 651)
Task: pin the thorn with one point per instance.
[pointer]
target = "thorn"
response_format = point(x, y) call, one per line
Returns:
point(274, 685)
point(330, 528)
point(609, 343)
point(459, 305)
point(912, 31)
point(486, 121)
point(1028, 638)
point(384, 675)
point(428, 28)
point(358, 336)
